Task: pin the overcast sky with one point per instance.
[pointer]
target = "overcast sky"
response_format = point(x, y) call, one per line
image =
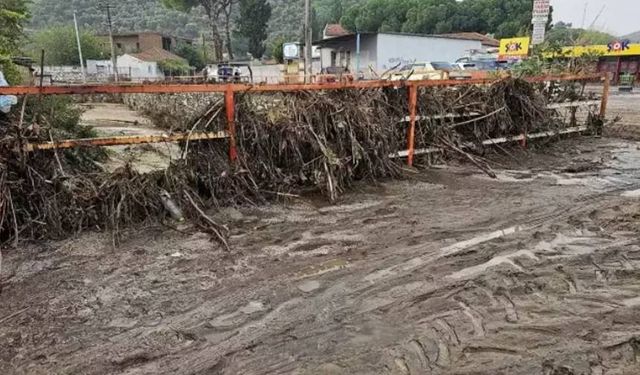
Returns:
point(619, 17)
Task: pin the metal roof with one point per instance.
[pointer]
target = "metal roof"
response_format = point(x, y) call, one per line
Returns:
point(347, 37)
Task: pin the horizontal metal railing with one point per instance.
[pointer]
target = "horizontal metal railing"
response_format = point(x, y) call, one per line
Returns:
point(229, 91)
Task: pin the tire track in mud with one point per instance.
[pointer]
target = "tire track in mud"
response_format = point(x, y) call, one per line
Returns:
point(518, 300)
point(306, 309)
point(386, 280)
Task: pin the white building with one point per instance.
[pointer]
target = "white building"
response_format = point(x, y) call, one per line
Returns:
point(143, 66)
point(382, 51)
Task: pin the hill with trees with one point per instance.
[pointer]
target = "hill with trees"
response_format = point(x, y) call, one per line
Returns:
point(633, 37)
point(501, 18)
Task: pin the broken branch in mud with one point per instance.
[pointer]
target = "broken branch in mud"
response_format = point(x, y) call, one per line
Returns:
point(212, 226)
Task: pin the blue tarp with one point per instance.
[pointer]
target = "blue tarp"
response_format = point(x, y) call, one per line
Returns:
point(6, 101)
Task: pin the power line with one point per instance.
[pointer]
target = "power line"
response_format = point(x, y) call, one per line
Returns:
point(114, 58)
point(75, 24)
point(308, 41)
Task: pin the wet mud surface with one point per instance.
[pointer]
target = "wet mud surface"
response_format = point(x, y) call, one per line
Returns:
point(449, 272)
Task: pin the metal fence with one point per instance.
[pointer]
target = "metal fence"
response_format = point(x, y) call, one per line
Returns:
point(230, 91)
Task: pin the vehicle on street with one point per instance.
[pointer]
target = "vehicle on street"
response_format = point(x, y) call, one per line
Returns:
point(228, 72)
point(482, 65)
point(419, 71)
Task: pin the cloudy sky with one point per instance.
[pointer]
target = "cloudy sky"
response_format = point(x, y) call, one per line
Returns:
point(619, 17)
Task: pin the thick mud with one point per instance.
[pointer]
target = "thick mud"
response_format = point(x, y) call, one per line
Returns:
point(450, 272)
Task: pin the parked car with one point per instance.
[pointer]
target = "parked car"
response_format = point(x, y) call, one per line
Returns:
point(482, 69)
point(419, 71)
point(484, 65)
point(228, 72)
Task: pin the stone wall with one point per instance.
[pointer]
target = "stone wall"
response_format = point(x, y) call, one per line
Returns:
point(171, 111)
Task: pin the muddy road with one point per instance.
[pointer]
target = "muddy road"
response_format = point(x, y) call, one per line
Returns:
point(448, 272)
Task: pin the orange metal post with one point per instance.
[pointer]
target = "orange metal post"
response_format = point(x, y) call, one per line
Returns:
point(230, 105)
point(605, 96)
point(413, 104)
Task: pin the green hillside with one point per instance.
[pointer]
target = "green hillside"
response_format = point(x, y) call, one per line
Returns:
point(150, 15)
point(127, 15)
point(499, 17)
point(634, 37)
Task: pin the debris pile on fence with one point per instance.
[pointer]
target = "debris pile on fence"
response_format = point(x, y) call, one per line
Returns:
point(287, 143)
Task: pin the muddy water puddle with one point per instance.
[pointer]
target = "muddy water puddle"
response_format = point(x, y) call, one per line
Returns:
point(616, 169)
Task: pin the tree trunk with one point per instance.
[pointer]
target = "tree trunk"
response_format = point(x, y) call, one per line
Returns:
point(217, 43)
point(227, 25)
point(217, 39)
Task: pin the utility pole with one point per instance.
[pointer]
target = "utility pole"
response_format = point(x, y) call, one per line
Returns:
point(84, 72)
point(204, 50)
point(308, 41)
point(114, 58)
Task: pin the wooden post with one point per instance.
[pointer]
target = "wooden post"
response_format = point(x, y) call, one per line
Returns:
point(230, 106)
point(413, 104)
point(616, 78)
point(308, 42)
point(605, 96)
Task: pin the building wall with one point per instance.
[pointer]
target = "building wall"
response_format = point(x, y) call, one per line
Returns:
point(126, 44)
point(150, 41)
point(99, 67)
point(60, 74)
point(137, 43)
point(344, 49)
point(404, 49)
point(137, 69)
point(268, 73)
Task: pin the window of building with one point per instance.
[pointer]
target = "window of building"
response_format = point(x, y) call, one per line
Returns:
point(166, 44)
point(138, 47)
point(345, 59)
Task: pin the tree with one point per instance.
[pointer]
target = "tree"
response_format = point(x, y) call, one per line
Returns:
point(335, 11)
point(214, 9)
point(564, 35)
point(277, 49)
point(13, 14)
point(192, 54)
point(252, 24)
point(503, 18)
point(377, 15)
point(61, 47)
point(174, 68)
point(227, 8)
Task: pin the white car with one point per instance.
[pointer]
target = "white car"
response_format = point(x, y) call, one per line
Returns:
point(226, 73)
point(420, 71)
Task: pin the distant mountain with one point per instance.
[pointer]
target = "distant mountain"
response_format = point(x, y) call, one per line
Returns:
point(634, 37)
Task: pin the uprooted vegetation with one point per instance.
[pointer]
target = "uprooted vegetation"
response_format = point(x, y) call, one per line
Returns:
point(287, 143)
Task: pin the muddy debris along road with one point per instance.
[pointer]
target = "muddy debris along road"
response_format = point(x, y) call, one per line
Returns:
point(536, 272)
